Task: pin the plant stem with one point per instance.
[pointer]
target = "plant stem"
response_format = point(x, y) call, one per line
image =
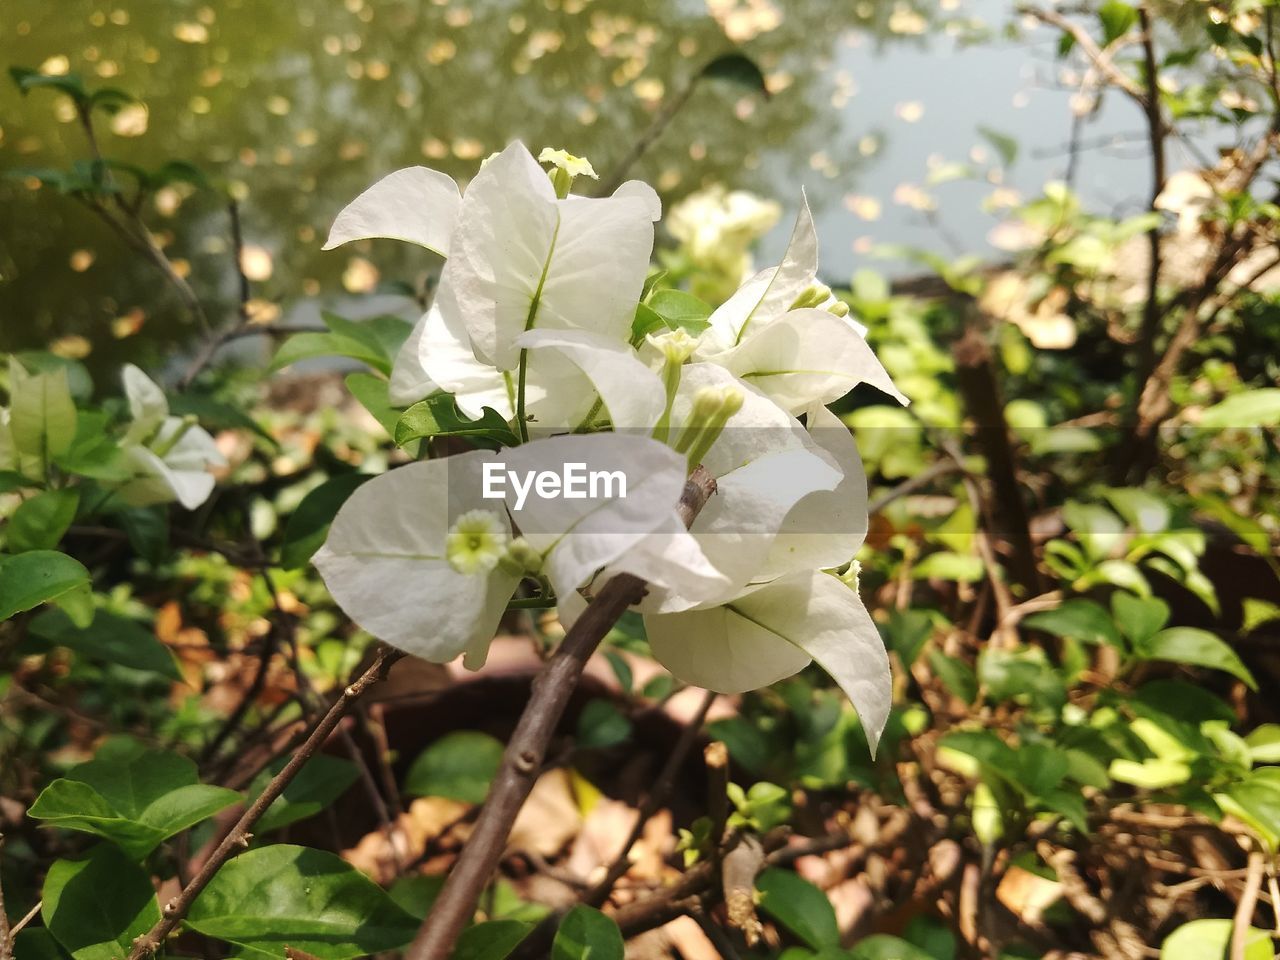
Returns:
point(522, 761)
point(238, 837)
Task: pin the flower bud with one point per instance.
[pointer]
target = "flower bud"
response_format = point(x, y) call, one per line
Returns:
point(839, 308)
point(521, 559)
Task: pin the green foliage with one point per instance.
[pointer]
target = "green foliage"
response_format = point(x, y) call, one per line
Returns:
point(308, 525)
point(439, 416)
point(587, 934)
point(97, 906)
point(319, 904)
point(601, 724)
point(798, 906)
point(318, 784)
point(44, 576)
point(458, 765)
point(108, 638)
point(132, 796)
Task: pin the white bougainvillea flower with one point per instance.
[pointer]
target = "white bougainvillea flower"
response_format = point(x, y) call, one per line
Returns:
point(807, 356)
point(405, 558)
point(522, 259)
point(770, 293)
point(169, 456)
point(773, 632)
point(418, 556)
point(764, 463)
point(827, 527)
point(416, 205)
point(716, 227)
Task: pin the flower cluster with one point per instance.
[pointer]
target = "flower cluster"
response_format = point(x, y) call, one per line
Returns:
point(544, 318)
point(160, 458)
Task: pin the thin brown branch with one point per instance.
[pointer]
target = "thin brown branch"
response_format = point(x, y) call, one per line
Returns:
point(1248, 902)
point(237, 838)
point(552, 688)
point(1151, 312)
point(1100, 58)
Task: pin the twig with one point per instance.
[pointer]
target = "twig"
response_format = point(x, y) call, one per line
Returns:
point(719, 939)
point(1243, 919)
point(1101, 59)
point(741, 866)
point(1151, 312)
point(665, 115)
point(922, 479)
point(552, 688)
point(652, 802)
point(238, 837)
point(26, 918)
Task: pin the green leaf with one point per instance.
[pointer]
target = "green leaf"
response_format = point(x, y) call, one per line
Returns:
point(318, 784)
point(130, 795)
point(42, 417)
point(1140, 618)
point(493, 940)
point(1197, 647)
point(94, 453)
point(587, 934)
point(40, 522)
point(799, 906)
point(1256, 801)
point(645, 323)
point(1004, 144)
point(308, 525)
point(738, 69)
point(439, 416)
point(601, 724)
point(97, 907)
point(109, 638)
point(1254, 408)
point(680, 310)
point(308, 346)
point(40, 576)
point(946, 565)
point(881, 946)
point(1078, 619)
point(371, 391)
point(37, 943)
point(956, 675)
point(27, 80)
point(216, 415)
point(459, 765)
point(1264, 743)
point(1152, 774)
point(1117, 19)
point(1211, 940)
point(318, 904)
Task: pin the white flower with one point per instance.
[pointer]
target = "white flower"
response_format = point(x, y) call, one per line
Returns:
point(716, 228)
point(168, 456)
point(785, 334)
point(416, 556)
point(520, 258)
point(416, 204)
point(563, 160)
point(772, 632)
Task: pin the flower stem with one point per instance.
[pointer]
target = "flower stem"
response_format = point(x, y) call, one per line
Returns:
point(521, 424)
point(522, 762)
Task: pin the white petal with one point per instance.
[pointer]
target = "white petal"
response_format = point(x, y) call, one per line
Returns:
point(194, 450)
point(632, 394)
point(155, 481)
point(771, 633)
point(826, 528)
point(523, 259)
point(769, 294)
point(384, 560)
point(736, 529)
point(416, 204)
point(409, 379)
point(447, 361)
point(147, 404)
point(581, 535)
point(806, 357)
point(671, 561)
